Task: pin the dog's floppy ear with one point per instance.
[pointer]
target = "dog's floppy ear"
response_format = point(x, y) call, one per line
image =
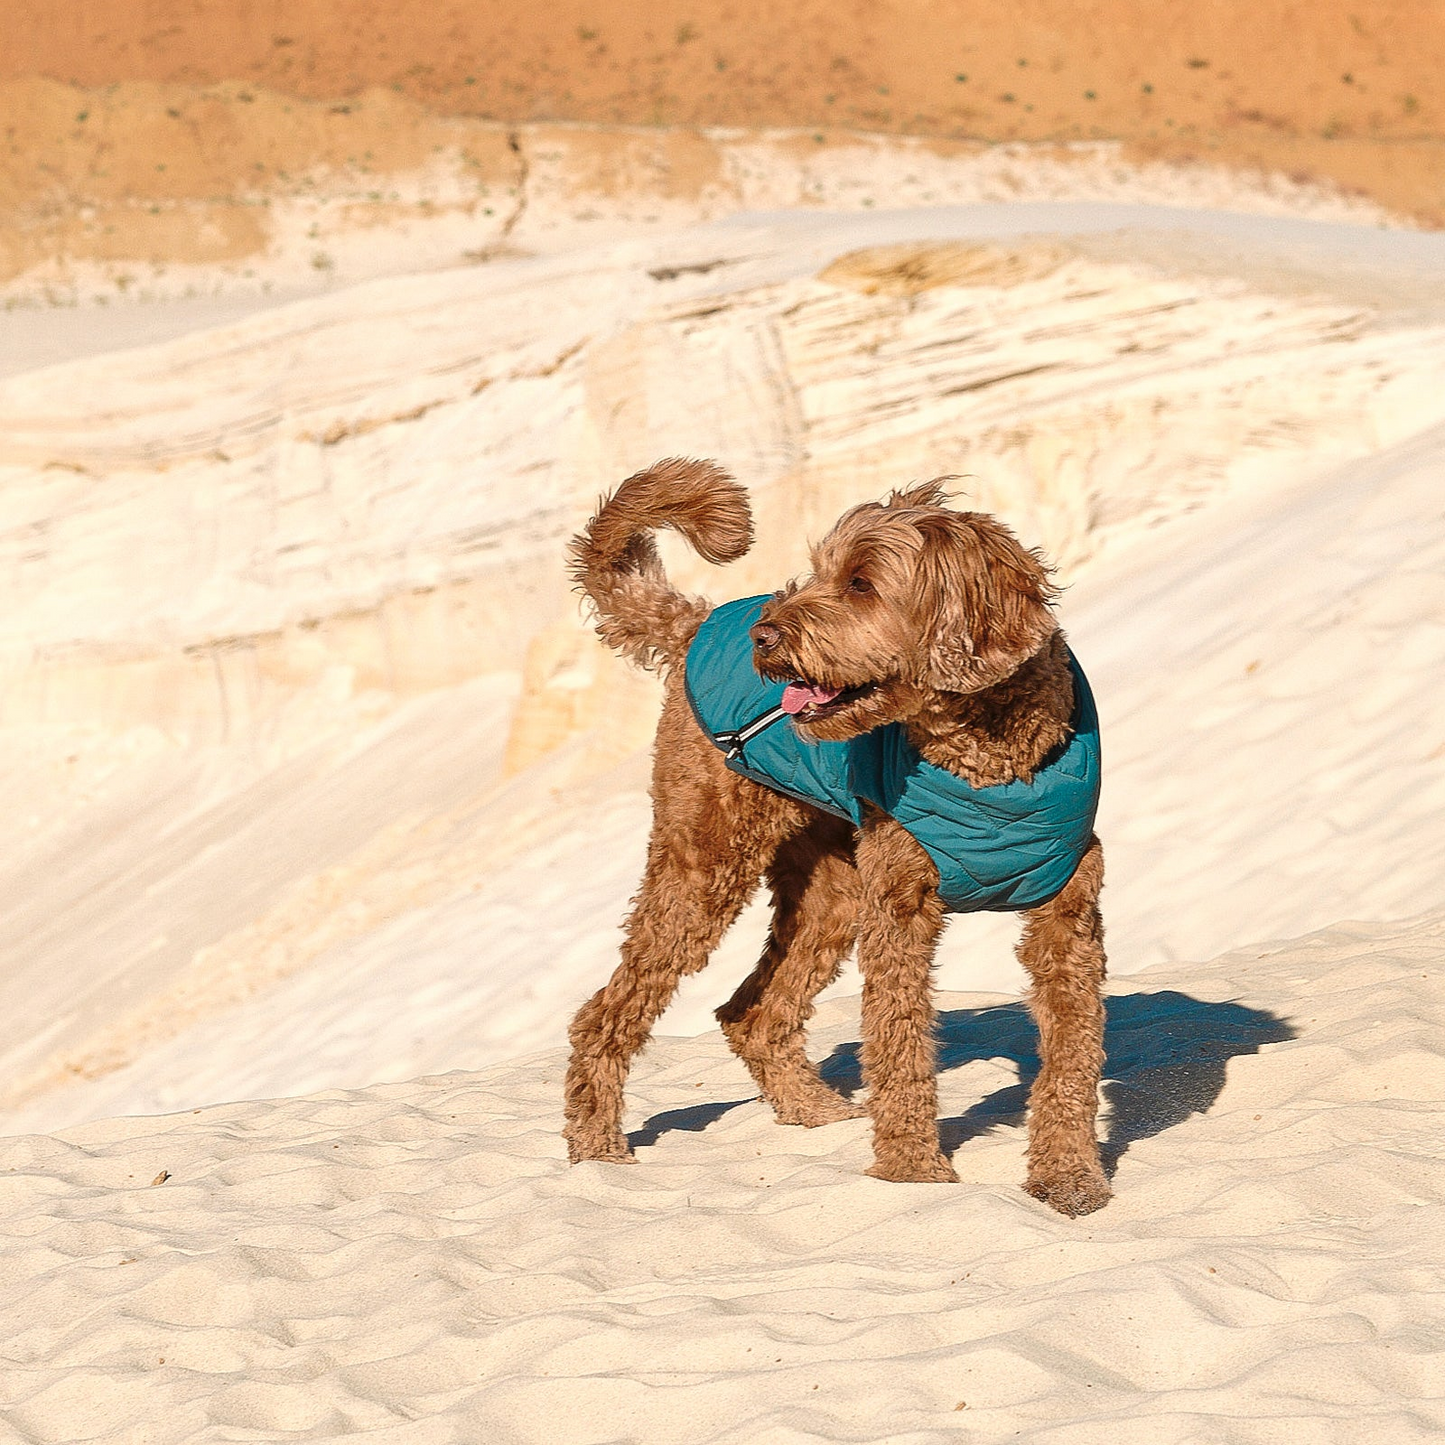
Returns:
point(984, 599)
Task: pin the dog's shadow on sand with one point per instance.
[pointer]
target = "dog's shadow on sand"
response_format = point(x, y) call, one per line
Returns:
point(1165, 1059)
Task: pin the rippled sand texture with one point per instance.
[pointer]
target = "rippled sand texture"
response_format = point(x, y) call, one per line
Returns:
point(416, 1263)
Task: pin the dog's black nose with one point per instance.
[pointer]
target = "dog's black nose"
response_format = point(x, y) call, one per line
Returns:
point(765, 636)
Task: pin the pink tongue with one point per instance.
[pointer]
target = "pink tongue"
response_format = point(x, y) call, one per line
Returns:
point(798, 695)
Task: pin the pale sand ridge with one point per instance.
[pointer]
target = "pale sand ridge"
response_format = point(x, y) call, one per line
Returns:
point(1316, 717)
point(397, 785)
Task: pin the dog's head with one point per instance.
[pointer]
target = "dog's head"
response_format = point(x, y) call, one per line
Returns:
point(906, 599)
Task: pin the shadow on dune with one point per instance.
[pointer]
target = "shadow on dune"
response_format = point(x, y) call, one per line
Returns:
point(692, 1120)
point(1166, 1056)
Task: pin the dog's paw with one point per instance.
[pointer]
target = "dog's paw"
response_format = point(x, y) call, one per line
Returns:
point(1072, 1192)
point(613, 1156)
point(909, 1168)
point(811, 1113)
point(604, 1150)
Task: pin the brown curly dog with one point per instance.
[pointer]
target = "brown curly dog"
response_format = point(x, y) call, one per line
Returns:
point(916, 614)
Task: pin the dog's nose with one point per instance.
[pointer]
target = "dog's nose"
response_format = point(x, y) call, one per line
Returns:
point(765, 636)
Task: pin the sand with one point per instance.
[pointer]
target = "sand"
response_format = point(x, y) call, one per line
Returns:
point(417, 1263)
point(323, 808)
point(319, 779)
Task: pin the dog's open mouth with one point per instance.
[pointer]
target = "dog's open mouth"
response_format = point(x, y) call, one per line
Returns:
point(809, 701)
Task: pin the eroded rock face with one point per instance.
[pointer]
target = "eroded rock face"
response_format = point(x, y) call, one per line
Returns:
point(368, 493)
point(289, 669)
point(160, 191)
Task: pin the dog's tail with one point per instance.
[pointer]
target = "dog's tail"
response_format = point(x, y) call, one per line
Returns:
point(615, 562)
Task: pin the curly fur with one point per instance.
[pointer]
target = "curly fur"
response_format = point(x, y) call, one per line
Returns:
point(938, 620)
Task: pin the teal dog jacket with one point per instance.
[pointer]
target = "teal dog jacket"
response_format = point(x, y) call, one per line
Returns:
point(999, 849)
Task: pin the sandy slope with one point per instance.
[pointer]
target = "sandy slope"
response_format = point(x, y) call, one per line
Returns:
point(318, 779)
point(1318, 724)
point(416, 1263)
point(286, 206)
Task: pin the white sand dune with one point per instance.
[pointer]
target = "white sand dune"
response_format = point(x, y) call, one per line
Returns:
point(319, 791)
point(317, 779)
point(417, 1263)
point(1270, 767)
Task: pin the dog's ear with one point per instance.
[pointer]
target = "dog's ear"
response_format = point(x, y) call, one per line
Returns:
point(983, 598)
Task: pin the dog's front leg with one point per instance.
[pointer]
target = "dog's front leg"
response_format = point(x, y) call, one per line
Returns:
point(900, 923)
point(1062, 948)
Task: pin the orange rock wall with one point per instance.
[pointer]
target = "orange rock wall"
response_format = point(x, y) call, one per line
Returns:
point(150, 128)
point(1034, 69)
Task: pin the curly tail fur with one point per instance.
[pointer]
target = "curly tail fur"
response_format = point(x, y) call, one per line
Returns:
point(614, 559)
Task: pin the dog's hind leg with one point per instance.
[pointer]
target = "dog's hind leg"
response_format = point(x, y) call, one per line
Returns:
point(1062, 948)
point(815, 921)
point(901, 919)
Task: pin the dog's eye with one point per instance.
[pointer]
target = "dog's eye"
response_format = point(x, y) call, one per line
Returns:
point(861, 585)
